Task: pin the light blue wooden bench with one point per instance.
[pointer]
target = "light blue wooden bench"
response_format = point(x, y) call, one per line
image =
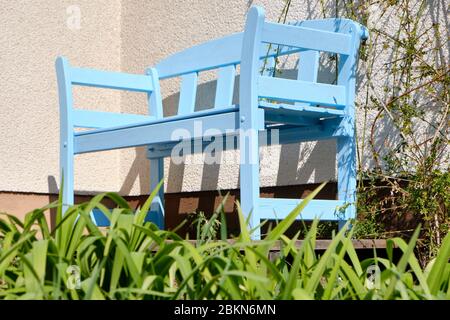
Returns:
point(301, 109)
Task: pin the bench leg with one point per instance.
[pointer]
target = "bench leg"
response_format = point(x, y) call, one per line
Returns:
point(346, 162)
point(249, 179)
point(156, 175)
point(67, 171)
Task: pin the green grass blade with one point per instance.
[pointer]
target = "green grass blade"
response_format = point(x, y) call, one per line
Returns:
point(403, 262)
point(287, 222)
point(441, 262)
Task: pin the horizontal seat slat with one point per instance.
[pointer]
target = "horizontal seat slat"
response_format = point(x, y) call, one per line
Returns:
point(288, 119)
point(111, 80)
point(160, 131)
point(301, 91)
point(306, 38)
point(302, 110)
point(285, 136)
point(167, 119)
point(276, 208)
point(99, 119)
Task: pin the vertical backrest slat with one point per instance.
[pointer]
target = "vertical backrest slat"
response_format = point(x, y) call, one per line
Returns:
point(225, 87)
point(155, 107)
point(268, 61)
point(267, 66)
point(188, 92)
point(308, 67)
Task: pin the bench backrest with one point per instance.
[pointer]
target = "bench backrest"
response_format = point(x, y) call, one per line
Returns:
point(251, 49)
point(223, 54)
point(337, 36)
point(69, 76)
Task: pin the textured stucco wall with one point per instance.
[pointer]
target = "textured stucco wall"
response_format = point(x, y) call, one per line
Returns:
point(129, 36)
point(33, 34)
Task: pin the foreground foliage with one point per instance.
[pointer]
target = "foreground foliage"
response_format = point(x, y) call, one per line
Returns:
point(134, 260)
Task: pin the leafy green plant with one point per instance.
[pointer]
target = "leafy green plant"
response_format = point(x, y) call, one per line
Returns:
point(132, 259)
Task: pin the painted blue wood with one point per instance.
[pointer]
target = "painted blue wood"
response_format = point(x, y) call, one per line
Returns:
point(276, 208)
point(110, 80)
point(66, 137)
point(158, 132)
point(334, 25)
point(156, 164)
point(99, 119)
point(101, 220)
point(304, 109)
point(227, 51)
point(248, 139)
point(214, 54)
point(188, 93)
point(304, 134)
point(155, 107)
point(175, 118)
point(346, 144)
point(288, 118)
point(210, 55)
point(286, 136)
point(71, 118)
point(156, 175)
point(308, 66)
point(301, 91)
point(156, 214)
point(306, 38)
point(225, 87)
point(268, 61)
point(308, 69)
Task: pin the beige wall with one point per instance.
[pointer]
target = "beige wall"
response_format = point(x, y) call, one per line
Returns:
point(129, 36)
point(33, 34)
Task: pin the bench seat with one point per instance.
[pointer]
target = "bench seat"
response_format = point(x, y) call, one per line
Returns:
point(225, 120)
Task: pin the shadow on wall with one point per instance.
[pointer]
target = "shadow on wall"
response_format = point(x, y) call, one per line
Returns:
point(139, 170)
